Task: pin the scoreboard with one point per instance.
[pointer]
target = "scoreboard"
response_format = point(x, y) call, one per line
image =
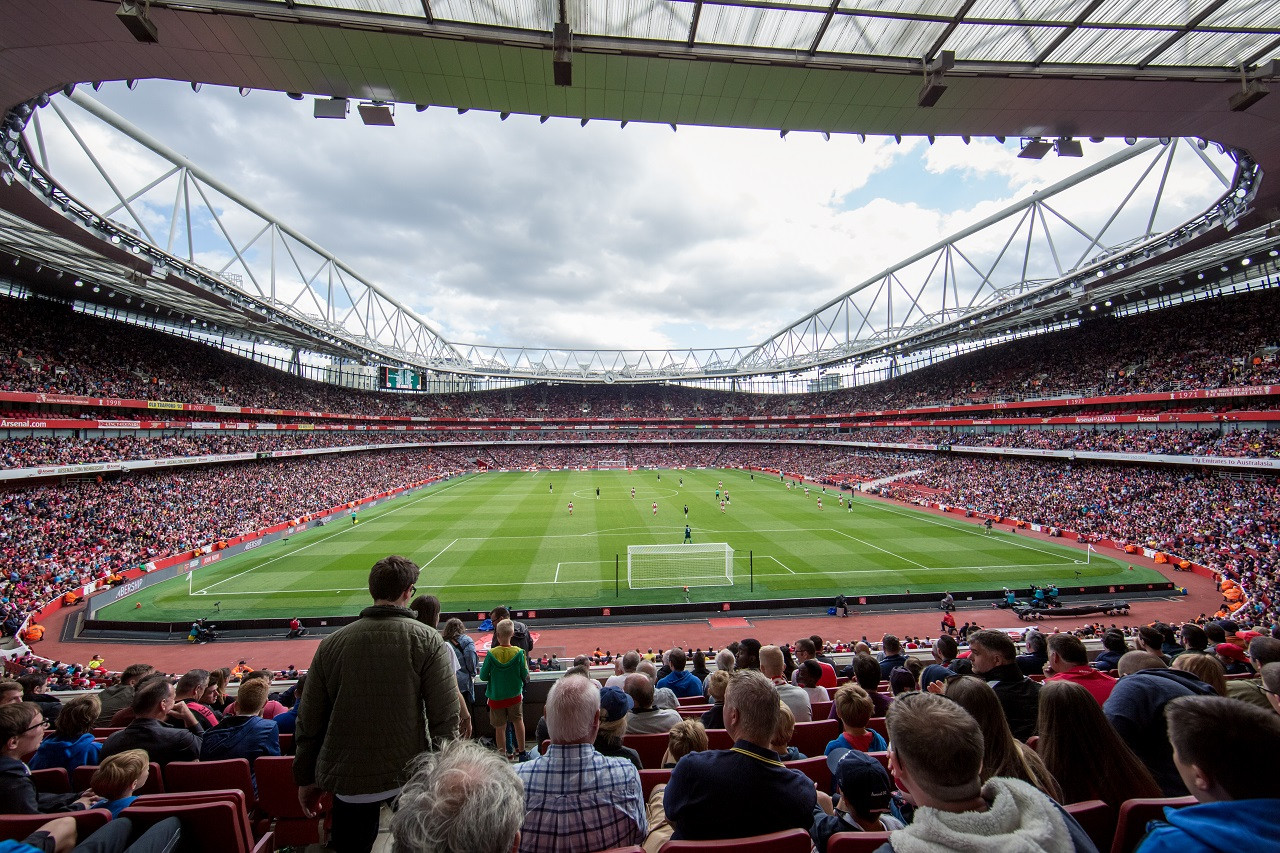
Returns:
point(399, 378)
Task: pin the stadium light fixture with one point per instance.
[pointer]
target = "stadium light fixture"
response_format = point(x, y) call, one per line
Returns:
point(330, 108)
point(934, 85)
point(1035, 148)
point(1068, 147)
point(377, 114)
point(561, 52)
point(1251, 91)
point(133, 15)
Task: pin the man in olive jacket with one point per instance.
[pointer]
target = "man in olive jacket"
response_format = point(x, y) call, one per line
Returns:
point(379, 692)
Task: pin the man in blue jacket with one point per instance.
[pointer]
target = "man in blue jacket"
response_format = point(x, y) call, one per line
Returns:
point(1239, 807)
point(680, 682)
point(243, 733)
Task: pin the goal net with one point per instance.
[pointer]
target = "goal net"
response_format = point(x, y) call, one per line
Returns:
point(674, 566)
point(611, 463)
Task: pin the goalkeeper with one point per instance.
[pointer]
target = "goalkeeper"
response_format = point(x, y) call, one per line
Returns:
point(688, 534)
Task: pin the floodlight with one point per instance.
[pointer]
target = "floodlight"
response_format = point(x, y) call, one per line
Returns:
point(1035, 149)
point(330, 108)
point(377, 114)
point(134, 17)
point(1250, 93)
point(933, 90)
point(561, 54)
point(1068, 147)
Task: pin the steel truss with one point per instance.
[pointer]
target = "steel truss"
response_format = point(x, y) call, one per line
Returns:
point(1007, 272)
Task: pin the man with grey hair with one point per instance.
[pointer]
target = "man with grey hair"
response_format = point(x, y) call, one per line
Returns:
point(646, 717)
point(622, 667)
point(577, 800)
point(705, 798)
point(725, 660)
point(462, 799)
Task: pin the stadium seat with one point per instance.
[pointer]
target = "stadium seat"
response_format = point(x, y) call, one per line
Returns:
point(693, 712)
point(691, 700)
point(1097, 819)
point(650, 779)
point(184, 776)
point(856, 842)
point(786, 841)
point(1034, 742)
point(286, 743)
point(878, 724)
point(821, 709)
point(812, 738)
point(104, 731)
point(51, 780)
point(882, 757)
point(650, 747)
point(816, 769)
point(278, 798)
point(82, 777)
point(218, 826)
point(718, 739)
point(1131, 825)
point(15, 827)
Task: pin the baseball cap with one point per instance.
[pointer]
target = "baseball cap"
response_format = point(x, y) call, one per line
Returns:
point(1231, 650)
point(864, 784)
point(615, 704)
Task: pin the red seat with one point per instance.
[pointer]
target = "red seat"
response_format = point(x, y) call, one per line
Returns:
point(105, 731)
point(278, 797)
point(692, 700)
point(217, 826)
point(1034, 742)
point(821, 709)
point(816, 769)
point(812, 738)
point(82, 778)
point(52, 780)
point(650, 779)
point(650, 747)
point(883, 758)
point(786, 841)
point(15, 827)
point(180, 776)
point(878, 724)
point(1097, 819)
point(286, 743)
point(1131, 825)
point(856, 842)
point(718, 739)
point(693, 712)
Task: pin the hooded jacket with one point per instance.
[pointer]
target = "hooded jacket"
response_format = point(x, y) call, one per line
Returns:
point(1225, 827)
point(1020, 819)
point(69, 754)
point(504, 671)
point(1135, 710)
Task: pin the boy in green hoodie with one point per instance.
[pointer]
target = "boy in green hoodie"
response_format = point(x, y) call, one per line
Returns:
point(504, 671)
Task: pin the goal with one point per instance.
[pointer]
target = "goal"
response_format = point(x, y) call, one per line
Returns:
point(674, 566)
point(604, 464)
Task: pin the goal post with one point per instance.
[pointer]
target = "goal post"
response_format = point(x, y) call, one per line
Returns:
point(607, 464)
point(676, 566)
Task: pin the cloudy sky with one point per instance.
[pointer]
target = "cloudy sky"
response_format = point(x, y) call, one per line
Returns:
point(559, 235)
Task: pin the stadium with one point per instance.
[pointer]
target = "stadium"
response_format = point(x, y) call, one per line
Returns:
point(1056, 411)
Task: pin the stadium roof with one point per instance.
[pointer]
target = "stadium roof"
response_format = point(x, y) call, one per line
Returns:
point(1042, 68)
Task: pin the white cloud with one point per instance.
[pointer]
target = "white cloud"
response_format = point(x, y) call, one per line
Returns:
point(557, 235)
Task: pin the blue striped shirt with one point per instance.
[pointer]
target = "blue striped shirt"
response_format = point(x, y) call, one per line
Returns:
point(577, 800)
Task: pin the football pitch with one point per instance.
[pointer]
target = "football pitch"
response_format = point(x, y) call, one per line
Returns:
point(508, 538)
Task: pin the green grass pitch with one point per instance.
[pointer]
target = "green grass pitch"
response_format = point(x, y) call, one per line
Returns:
point(507, 538)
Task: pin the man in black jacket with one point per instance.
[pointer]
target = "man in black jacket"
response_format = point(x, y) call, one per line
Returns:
point(152, 706)
point(22, 727)
point(992, 654)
